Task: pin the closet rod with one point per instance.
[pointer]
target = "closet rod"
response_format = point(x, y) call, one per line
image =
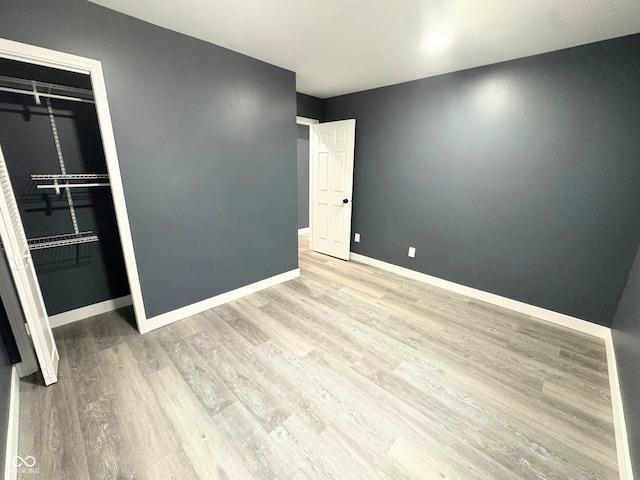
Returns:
point(31, 93)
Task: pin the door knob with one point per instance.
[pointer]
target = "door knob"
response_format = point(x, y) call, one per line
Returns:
point(346, 200)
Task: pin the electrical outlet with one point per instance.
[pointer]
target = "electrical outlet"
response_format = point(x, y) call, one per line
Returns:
point(356, 238)
point(412, 252)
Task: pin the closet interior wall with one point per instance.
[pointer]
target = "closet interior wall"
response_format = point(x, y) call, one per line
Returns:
point(70, 276)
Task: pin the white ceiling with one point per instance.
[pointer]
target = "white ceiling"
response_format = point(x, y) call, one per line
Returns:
point(343, 46)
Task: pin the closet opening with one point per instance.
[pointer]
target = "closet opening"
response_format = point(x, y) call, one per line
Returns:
point(55, 158)
point(63, 214)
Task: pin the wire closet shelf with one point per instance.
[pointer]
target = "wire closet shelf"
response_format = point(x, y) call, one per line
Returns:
point(38, 89)
point(70, 180)
point(62, 182)
point(61, 240)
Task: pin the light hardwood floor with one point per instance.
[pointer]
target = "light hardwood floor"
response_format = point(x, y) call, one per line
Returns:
point(348, 372)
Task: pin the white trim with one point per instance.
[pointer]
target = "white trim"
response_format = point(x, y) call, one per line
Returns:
point(117, 193)
point(10, 471)
point(312, 140)
point(521, 307)
point(311, 149)
point(193, 309)
point(89, 311)
point(302, 231)
point(306, 121)
point(51, 58)
point(620, 425)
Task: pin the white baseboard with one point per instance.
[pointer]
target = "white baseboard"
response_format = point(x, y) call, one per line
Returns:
point(10, 470)
point(521, 307)
point(89, 311)
point(620, 425)
point(302, 231)
point(622, 439)
point(189, 310)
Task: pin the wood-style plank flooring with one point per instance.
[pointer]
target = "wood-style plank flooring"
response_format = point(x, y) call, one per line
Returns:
point(348, 372)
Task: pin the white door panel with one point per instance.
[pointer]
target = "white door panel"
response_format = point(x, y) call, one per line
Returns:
point(332, 187)
point(24, 275)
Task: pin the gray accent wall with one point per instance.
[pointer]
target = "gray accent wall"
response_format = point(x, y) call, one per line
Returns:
point(308, 106)
point(303, 176)
point(206, 142)
point(521, 179)
point(626, 340)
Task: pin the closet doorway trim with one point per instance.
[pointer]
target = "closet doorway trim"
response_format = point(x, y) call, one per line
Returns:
point(22, 52)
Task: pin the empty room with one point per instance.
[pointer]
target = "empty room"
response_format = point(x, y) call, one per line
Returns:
point(319, 240)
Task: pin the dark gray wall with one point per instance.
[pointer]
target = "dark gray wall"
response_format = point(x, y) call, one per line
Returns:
point(206, 143)
point(521, 179)
point(308, 106)
point(75, 276)
point(5, 383)
point(626, 339)
point(303, 176)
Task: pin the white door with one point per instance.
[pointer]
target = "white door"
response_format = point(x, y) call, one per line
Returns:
point(332, 187)
point(16, 248)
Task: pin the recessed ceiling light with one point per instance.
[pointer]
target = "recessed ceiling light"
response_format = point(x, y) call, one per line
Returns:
point(436, 42)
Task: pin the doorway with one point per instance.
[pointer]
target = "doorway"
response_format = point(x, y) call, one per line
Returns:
point(305, 150)
point(329, 186)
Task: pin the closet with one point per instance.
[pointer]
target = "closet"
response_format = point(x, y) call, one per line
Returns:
point(55, 168)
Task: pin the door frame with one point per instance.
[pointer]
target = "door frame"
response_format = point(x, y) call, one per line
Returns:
point(63, 61)
point(309, 122)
